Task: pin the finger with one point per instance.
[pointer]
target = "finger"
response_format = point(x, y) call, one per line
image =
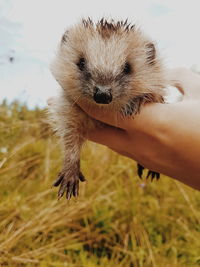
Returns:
point(174, 79)
point(107, 116)
point(151, 115)
point(112, 137)
point(186, 81)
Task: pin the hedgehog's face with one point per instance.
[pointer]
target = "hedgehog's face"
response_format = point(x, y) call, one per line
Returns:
point(102, 80)
point(105, 64)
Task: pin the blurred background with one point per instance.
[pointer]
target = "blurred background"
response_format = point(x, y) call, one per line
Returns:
point(30, 31)
point(118, 220)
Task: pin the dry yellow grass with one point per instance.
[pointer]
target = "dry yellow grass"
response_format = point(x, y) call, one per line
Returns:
point(118, 219)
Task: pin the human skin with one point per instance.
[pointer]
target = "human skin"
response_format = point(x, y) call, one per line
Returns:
point(164, 138)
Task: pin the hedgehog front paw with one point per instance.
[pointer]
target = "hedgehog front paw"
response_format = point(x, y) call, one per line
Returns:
point(132, 107)
point(69, 183)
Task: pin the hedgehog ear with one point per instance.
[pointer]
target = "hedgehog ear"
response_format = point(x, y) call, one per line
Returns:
point(151, 53)
point(64, 38)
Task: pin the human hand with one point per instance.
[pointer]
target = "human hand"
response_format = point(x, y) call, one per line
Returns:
point(163, 137)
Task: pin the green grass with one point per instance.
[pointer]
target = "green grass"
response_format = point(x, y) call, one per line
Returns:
point(118, 219)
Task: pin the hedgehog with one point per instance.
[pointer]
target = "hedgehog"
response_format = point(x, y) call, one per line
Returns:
point(110, 64)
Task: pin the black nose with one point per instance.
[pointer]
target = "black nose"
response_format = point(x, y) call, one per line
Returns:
point(102, 97)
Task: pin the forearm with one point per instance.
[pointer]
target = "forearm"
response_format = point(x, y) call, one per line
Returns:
point(163, 138)
point(171, 145)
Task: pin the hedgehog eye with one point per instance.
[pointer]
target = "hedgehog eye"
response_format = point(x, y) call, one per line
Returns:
point(81, 64)
point(127, 68)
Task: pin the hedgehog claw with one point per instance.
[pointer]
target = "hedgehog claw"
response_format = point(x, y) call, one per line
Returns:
point(151, 174)
point(69, 184)
point(140, 169)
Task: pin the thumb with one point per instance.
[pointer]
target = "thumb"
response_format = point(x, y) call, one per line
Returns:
point(104, 115)
point(186, 81)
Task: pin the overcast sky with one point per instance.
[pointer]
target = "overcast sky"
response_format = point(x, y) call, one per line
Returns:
point(30, 30)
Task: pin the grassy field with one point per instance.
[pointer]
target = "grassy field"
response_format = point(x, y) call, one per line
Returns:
point(118, 219)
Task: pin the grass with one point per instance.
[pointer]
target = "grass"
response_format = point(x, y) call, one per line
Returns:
point(118, 219)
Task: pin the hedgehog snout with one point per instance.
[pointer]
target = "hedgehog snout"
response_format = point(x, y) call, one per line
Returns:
point(102, 95)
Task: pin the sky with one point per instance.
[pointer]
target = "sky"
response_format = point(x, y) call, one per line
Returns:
point(30, 31)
